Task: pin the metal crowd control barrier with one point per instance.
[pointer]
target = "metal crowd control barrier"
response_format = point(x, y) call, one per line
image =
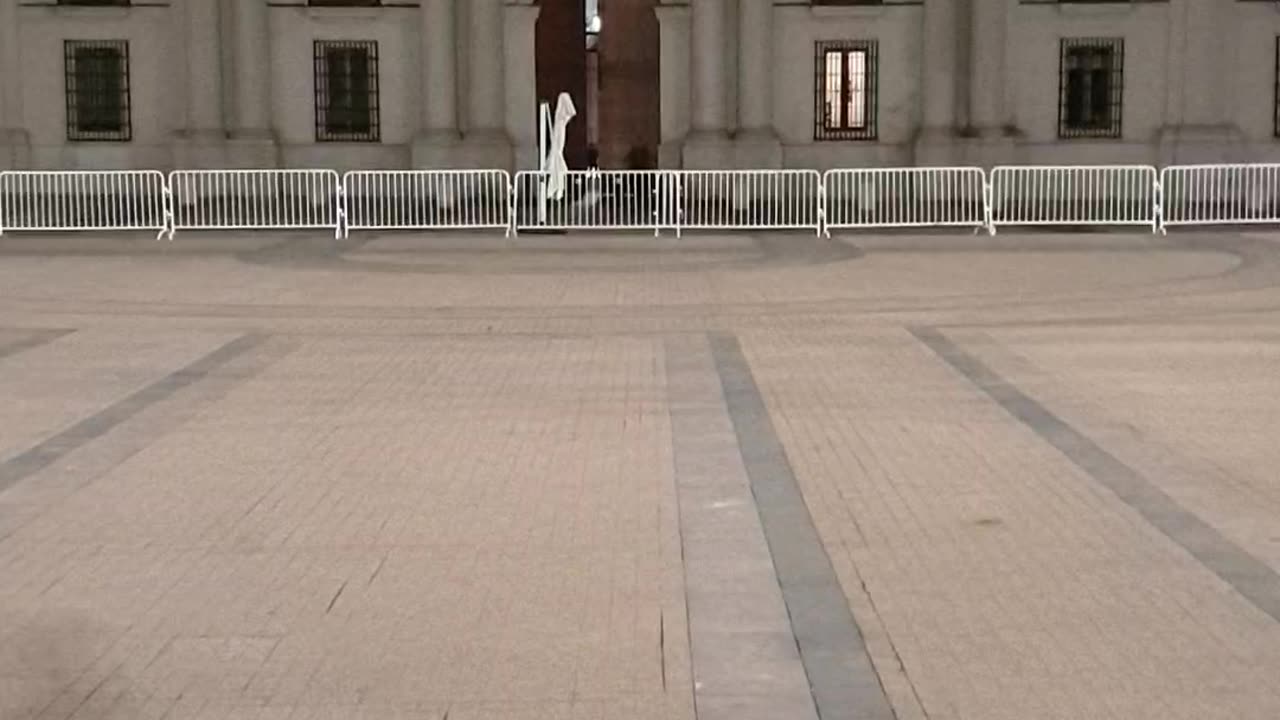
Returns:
point(905, 198)
point(640, 200)
point(750, 200)
point(598, 200)
point(1075, 195)
point(1220, 194)
point(255, 199)
point(82, 200)
point(426, 199)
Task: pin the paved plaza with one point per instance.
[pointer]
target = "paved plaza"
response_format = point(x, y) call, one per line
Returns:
point(406, 477)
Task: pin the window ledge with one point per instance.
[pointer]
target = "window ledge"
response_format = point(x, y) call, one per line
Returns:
point(90, 11)
point(82, 12)
point(1090, 10)
point(1091, 138)
point(848, 11)
point(343, 13)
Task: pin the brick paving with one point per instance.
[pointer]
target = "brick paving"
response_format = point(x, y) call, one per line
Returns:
point(278, 477)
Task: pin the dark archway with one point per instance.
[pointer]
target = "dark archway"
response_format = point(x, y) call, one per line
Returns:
point(612, 77)
point(560, 41)
point(629, 92)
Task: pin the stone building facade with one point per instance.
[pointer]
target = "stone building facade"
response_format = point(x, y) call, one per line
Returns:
point(355, 84)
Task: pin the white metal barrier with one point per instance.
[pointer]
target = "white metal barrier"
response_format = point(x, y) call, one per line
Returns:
point(426, 199)
point(1075, 195)
point(648, 200)
point(905, 197)
point(255, 199)
point(750, 199)
point(598, 200)
point(82, 200)
point(1220, 194)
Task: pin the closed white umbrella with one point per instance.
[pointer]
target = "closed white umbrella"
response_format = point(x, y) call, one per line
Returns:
point(554, 163)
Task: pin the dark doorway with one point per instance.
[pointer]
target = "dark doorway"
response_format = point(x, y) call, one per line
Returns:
point(560, 41)
point(627, 84)
point(605, 54)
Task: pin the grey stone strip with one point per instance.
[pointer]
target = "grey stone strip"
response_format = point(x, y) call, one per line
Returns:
point(1251, 577)
point(841, 676)
point(745, 662)
point(32, 461)
point(33, 339)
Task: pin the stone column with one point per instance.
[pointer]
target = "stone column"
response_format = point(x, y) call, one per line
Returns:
point(485, 85)
point(755, 58)
point(1198, 127)
point(1204, 83)
point(707, 60)
point(437, 140)
point(204, 68)
point(708, 144)
point(252, 142)
point(440, 67)
point(941, 59)
point(756, 142)
point(519, 45)
point(673, 82)
point(986, 71)
point(943, 66)
point(10, 61)
point(253, 69)
point(202, 140)
point(15, 145)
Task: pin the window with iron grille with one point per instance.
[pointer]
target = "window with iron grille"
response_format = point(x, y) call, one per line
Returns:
point(845, 90)
point(97, 87)
point(346, 91)
point(1091, 88)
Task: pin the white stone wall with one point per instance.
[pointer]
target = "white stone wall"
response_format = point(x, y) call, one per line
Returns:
point(1031, 79)
point(155, 94)
point(960, 81)
point(1199, 82)
point(230, 83)
point(1252, 80)
point(897, 30)
point(293, 32)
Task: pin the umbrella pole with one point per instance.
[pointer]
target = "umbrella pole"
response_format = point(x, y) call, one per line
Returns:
point(544, 127)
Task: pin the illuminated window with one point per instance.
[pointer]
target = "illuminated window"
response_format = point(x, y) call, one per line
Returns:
point(845, 107)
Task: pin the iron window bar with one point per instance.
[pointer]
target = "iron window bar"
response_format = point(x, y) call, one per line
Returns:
point(1091, 88)
point(846, 89)
point(346, 87)
point(97, 90)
